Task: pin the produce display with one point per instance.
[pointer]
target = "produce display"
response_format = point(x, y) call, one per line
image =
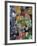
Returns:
point(20, 23)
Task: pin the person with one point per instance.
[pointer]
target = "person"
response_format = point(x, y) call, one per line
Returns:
point(25, 22)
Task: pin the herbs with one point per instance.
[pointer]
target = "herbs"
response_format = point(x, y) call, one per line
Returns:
point(24, 21)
